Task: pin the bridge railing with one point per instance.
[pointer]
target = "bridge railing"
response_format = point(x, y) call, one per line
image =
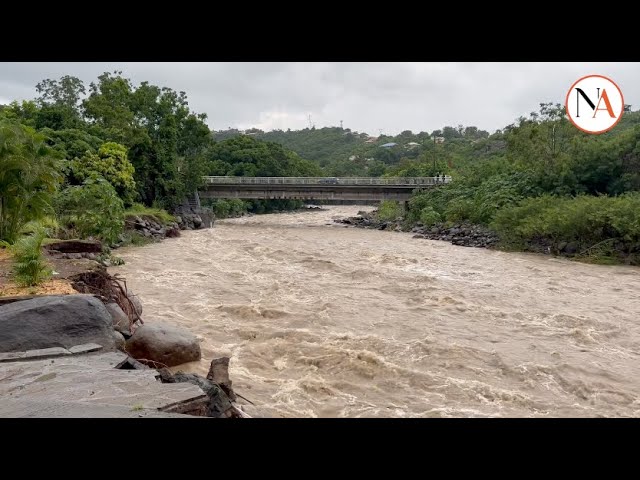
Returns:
point(327, 180)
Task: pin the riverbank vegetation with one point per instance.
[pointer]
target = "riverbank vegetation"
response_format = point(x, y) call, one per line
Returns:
point(540, 183)
point(88, 157)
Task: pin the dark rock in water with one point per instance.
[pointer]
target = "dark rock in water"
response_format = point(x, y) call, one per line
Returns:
point(219, 373)
point(218, 406)
point(418, 236)
point(55, 321)
point(571, 248)
point(75, 246)
point(172, 232)
point(164, 344)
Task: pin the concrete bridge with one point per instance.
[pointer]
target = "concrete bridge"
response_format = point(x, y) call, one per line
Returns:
point(317, 188)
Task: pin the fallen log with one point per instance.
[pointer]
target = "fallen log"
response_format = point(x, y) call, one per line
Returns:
point(75, 246)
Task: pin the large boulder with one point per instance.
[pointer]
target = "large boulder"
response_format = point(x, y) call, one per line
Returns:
point(55, 321)
point(119, 318)
point(164, 344)
point(137, 304)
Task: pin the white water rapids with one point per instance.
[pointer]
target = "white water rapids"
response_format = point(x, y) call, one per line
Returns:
point(325, 321)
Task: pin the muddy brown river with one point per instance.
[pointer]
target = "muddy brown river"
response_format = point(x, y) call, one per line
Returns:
point(325, 321)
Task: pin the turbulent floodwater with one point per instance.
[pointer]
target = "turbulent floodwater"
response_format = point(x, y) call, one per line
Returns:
point(326, 321)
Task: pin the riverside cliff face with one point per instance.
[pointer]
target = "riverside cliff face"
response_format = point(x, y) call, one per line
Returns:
point(325, 321)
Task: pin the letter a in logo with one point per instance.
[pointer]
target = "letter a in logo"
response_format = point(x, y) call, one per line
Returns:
point(594, 104)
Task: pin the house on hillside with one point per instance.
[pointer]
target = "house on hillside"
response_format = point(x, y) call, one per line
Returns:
point(389, 145)
point(411, 145)
point(438, 139)
point(371, 140)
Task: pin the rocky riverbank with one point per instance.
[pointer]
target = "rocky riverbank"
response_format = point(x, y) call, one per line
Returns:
point(467, 235)
point(101, 314)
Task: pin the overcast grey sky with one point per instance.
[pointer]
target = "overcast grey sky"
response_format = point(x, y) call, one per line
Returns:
point(367, 97)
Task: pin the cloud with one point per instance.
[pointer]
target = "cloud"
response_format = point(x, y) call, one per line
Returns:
point(369, 97)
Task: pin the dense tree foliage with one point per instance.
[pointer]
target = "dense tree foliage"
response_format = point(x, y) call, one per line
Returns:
point(246, 156)
point(111, 164)
point(112, 144)
point(91, 210)
point(549, 184)
point(342, 152)
point(29, 175)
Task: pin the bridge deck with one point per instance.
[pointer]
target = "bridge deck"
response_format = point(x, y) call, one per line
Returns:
point(325, 181)
point(318, 188)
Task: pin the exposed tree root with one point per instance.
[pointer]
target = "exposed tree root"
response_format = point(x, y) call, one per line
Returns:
point(110, 288)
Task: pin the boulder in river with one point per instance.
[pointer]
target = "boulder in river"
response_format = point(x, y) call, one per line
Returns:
point(164, 344)
point(55, 321)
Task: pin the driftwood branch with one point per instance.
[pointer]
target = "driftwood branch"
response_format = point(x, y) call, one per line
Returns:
point(244, 398)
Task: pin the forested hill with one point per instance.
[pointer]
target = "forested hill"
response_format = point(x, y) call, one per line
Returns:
point(322, 145)
point(343, 152)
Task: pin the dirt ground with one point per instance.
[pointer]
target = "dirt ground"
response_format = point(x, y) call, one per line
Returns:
point(59, 283)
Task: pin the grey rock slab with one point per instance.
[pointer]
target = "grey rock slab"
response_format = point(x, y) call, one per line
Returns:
point(85, 348)
point(11, 356)
point(90, 380)
point(45, 352)
point(10, 408)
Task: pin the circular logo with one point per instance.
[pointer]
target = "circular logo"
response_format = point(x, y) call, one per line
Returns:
point(594, 104)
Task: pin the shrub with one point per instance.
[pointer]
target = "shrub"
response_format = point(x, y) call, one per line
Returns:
point(157, 214)
point(91, 210)
point(30, 267)
point(585, 221)
point(389, 210)
point(428, 216)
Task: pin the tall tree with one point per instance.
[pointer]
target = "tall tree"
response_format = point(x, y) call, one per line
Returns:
point(166, 141)
point(59, 102)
